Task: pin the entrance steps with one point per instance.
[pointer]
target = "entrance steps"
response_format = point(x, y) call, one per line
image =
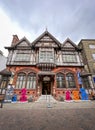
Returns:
point(46, 98)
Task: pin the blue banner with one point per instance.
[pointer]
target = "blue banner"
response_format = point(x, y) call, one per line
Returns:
point(79, 78)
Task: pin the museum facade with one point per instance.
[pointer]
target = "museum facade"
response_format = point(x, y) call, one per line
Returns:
point(45, 66)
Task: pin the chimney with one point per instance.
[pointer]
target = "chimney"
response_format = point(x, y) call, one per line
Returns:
point(14, 40)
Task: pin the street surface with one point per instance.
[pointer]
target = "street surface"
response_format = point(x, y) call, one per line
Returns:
point(79, 115)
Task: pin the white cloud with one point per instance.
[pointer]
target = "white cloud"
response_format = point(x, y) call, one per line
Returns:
point(7, 29)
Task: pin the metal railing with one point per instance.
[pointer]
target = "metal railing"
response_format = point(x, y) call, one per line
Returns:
point(48, 100)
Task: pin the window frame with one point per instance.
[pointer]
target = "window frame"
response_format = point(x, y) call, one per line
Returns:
point(20, 79)
point(66, 83)
point(86, 82)
point(60, 80)
point(22, 56)
point(93, 56)
point(70, 79)
point(91, 46)
point(46, 55)
point(69, 57)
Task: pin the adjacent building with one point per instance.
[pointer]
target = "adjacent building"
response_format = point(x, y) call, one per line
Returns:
point(3, 61)
point(88, 55)
point(4, 73)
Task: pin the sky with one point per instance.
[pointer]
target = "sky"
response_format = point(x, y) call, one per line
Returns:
point(74, 19)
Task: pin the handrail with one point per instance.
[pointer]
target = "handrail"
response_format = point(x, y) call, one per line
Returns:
point(46, 94)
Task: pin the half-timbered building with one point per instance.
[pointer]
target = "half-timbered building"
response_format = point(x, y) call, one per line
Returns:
point(44, 66)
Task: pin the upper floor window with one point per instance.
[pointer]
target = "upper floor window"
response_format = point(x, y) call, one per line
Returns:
point(69, 56)
point(93, 55)
point(22, 55)
point(92, 46)
point(46, 55)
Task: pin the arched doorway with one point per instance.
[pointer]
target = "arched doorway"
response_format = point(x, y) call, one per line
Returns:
point(46, 87)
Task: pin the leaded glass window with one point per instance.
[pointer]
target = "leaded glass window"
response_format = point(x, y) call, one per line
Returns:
point(4, 82)
point(21, 80)
point(60, 80)
point(69, 57)
point(86, 82)
point(70, 80)
point(46, 55)
point(23, 55)
point(27, 81)
point(31, 81)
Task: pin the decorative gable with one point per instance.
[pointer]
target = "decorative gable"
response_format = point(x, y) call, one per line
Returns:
point(23, 43)
point(68, 44)
point(46, 40)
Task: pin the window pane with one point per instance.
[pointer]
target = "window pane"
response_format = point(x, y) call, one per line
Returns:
point(31, 81)
point(86, 82)
point(92, 46)
point(46, 56)
point(60, 80)
point(21, 80)
point(70, 80)
point(23, 55)
point(4, 82)
point(69, 57)
point(93, 56)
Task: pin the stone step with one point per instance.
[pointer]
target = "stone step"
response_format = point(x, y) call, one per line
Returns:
point(46, 98)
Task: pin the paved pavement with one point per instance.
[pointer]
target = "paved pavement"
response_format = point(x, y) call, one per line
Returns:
point(79, 115)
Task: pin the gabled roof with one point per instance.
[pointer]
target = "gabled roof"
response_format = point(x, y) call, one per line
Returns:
point(71, 42)
point(23, 39)
point(42, 35)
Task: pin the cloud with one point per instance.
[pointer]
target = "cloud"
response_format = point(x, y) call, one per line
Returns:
point(7, 29)
point(63, 18)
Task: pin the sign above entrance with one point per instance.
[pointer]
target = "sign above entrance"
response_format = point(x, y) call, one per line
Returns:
point(46, 78)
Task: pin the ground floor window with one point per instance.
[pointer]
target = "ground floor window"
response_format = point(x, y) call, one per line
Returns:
point(31, 81)
point(70, 80)
point(65, 80)
point(86, 83)
point(27, 81)
point(4, 82)
point(60, 80)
